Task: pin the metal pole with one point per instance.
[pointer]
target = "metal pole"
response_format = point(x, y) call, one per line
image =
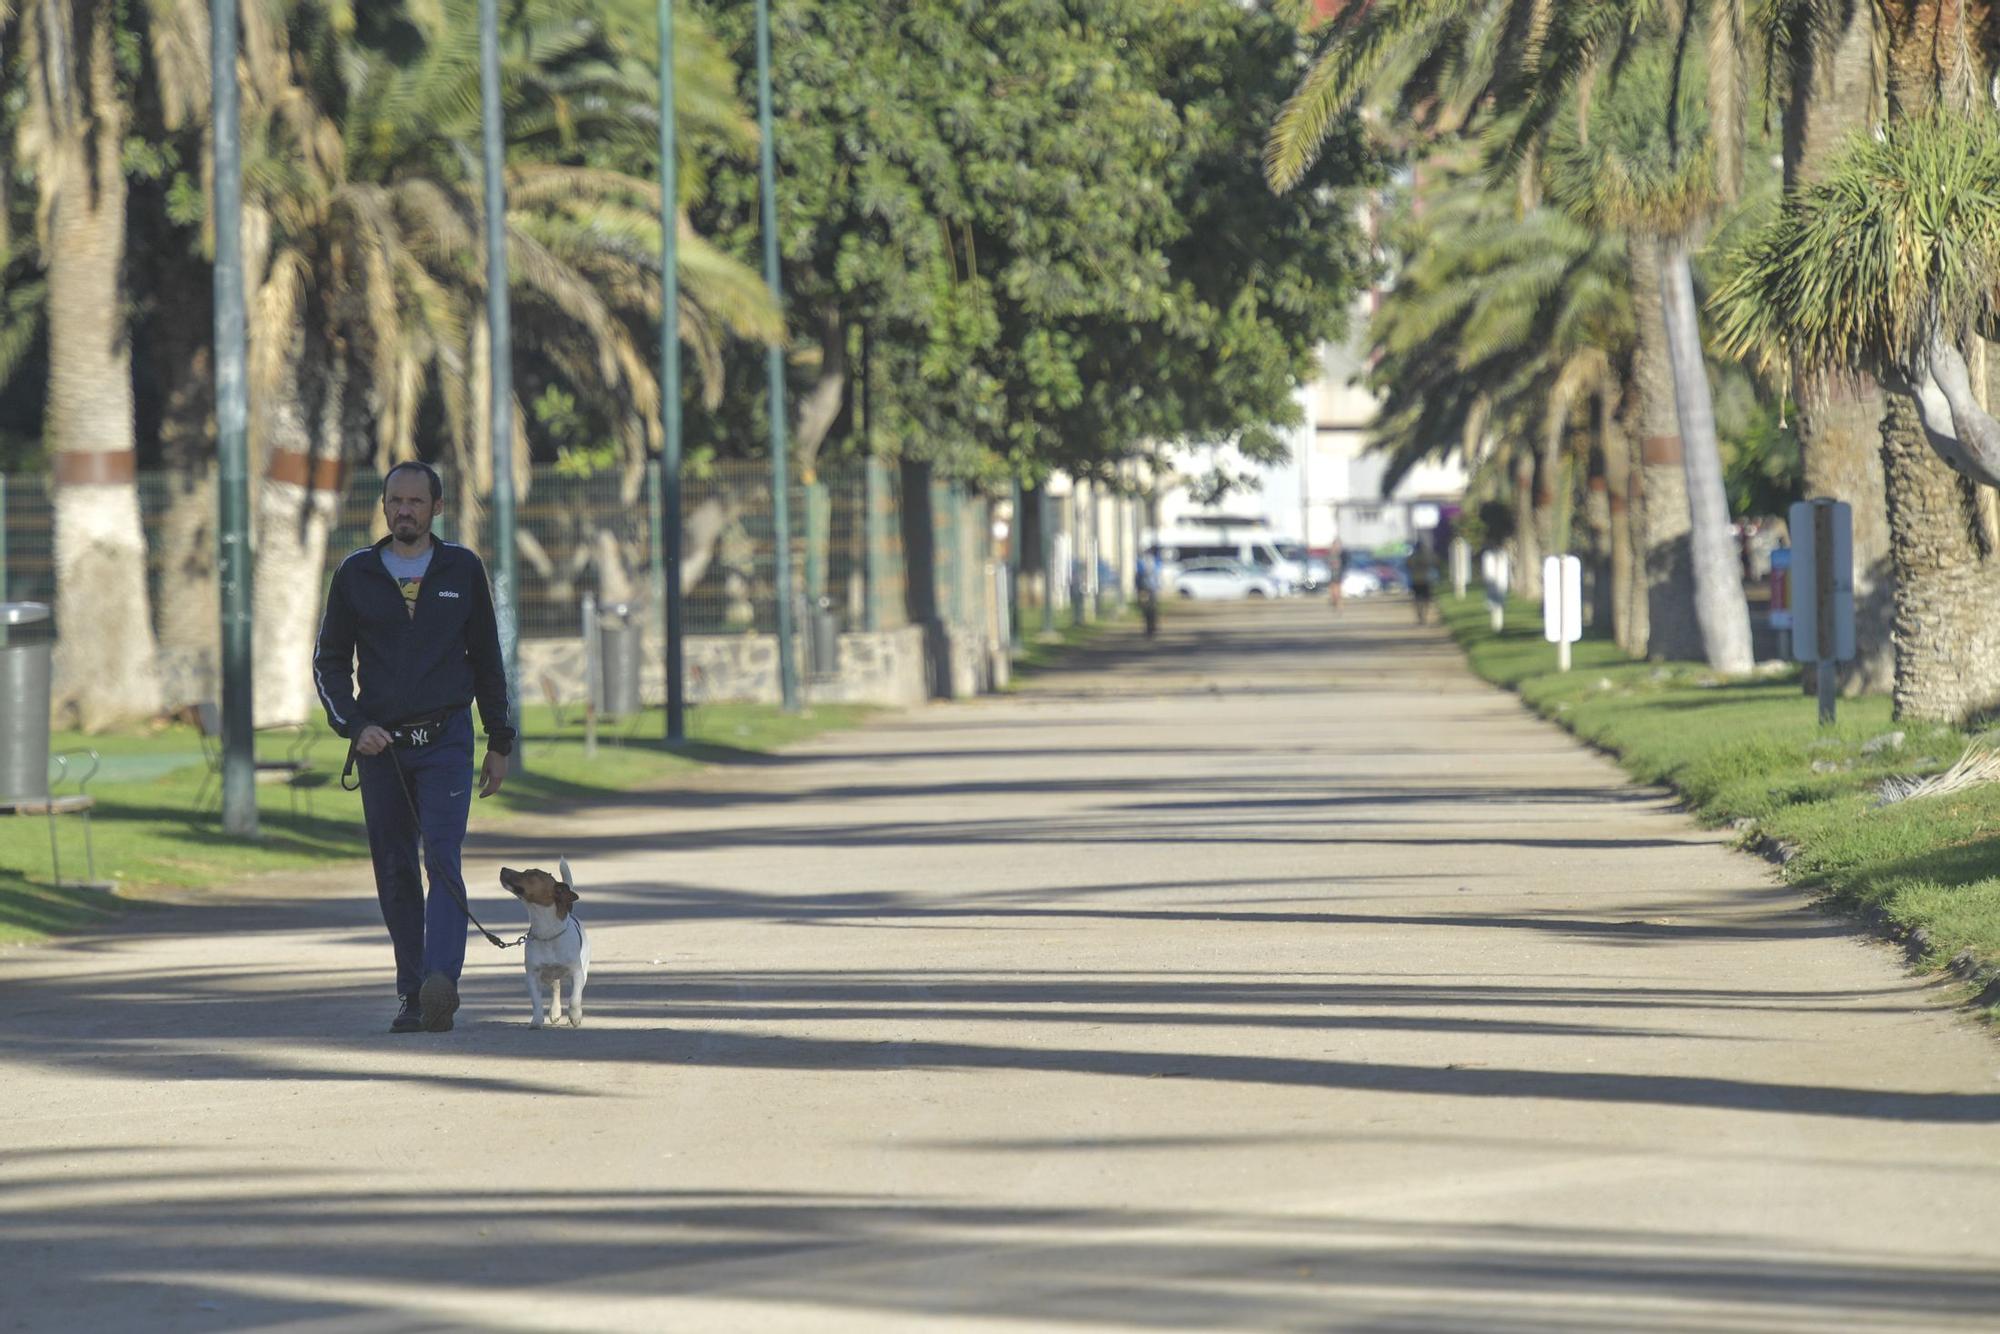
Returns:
point(500, 347)
point(1045, 513)
point(781, 521)
point(656, 568)
point(232, 411)
point(667, 534)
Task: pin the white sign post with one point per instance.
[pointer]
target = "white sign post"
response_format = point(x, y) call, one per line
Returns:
point(1822, 591)
point(1461, 565)
point(1562, 604)
point(1497, 573)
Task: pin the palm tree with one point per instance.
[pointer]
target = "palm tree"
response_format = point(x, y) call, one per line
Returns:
point(1442, 65)
point(1626, 165)
point(1821, 57)
point(68, 60)
point(77, 69)
point(1499, 333)
point(1888, 264)
point(370, 290)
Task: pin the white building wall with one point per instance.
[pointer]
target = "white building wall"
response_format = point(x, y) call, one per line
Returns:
point(1342, 480)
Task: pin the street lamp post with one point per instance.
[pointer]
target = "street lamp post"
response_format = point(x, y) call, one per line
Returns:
point(667, 534)
point(232, 411)
point(501, 368)
point(767, 171)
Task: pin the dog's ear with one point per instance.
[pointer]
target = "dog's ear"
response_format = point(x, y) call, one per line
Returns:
point(565, 899)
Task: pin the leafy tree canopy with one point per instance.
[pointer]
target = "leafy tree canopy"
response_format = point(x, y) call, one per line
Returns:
point(1047, 216)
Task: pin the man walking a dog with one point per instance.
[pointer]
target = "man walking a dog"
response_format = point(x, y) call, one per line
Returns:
point(418, 612)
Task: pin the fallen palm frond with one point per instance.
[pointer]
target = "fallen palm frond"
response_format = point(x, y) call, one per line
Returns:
point(1976, 767)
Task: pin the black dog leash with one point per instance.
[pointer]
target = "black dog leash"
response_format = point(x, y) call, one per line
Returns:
point(403, 785)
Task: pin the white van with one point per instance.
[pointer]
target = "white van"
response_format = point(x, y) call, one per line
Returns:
point(1255, 548)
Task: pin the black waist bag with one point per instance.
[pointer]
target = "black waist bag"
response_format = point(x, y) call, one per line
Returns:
point(416, 733)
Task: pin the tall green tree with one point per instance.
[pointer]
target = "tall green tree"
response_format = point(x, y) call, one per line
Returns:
point(1022, 203)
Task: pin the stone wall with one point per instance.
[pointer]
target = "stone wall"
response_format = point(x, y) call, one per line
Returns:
point(883, 667)
point(964, 662)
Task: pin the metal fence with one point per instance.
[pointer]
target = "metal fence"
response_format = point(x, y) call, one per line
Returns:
point(593, 534)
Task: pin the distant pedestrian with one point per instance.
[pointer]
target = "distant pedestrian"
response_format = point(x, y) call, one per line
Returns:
point(1147, 580)
point(1423, 580)
point(1335, 561)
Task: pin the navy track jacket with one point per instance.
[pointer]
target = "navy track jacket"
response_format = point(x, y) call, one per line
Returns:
point(444, 657)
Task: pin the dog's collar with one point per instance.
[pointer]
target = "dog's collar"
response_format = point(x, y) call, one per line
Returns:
point(567, 924)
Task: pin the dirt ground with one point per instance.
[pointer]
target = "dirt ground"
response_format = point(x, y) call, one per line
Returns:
point(1274, 974)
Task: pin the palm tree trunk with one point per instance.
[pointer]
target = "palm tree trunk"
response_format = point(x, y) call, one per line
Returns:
point(1947, 609)
point(1527, 579)
point(1840, 429)
point(298, 501)
point(1548, 478)
point(1947, 633)
point(185, 550)
point(1720, 606)
point(1672, 632)
point(1642, 605)
point(106, 668)
point(1617, 457)
point(1600, 603)
point(190, 610)
point(1933, 50)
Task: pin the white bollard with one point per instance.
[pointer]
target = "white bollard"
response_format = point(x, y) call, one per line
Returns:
point(1562, 604)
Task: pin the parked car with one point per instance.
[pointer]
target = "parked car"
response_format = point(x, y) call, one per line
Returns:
point(1220, 577)
point(1358, 583)
point(1377, 573)
point(1306, 572)
point(1177, 547)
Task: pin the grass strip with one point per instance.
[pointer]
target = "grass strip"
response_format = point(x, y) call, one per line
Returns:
point(146, 834)
point(1042, 651)
point(1751, 753)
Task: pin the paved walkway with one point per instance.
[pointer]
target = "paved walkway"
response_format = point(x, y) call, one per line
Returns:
point(1277, 974)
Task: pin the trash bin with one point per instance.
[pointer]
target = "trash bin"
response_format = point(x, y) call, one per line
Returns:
point(25, 639)
point(618, 658)
point(823, 646)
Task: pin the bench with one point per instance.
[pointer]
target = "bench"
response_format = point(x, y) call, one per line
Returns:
point(295, 771)
point(57, 803)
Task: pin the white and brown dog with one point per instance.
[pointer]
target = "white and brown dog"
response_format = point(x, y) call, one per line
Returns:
point(557, 947)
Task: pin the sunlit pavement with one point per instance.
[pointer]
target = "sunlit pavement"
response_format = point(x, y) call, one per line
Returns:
point(1271, 974)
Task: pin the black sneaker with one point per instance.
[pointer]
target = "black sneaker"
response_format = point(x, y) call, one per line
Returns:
point(409, 1019)
point(439, 1001)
